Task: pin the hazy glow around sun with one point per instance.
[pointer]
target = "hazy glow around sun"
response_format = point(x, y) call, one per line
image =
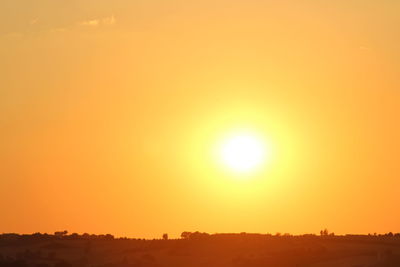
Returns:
point(243, 152)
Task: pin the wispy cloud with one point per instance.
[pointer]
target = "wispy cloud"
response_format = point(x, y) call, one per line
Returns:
point(98, 22)
point(109, 21)
point(33, 21)
point(94, 22)
point(35, 27)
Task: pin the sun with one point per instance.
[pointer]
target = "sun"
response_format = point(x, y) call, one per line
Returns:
point(243, 152)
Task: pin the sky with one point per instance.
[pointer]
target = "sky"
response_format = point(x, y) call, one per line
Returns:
point(111, 111)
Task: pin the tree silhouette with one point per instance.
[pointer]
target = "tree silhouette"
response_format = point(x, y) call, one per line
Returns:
point(165, 236)
point(185, 235)
point(61, 233)
point(324, 232)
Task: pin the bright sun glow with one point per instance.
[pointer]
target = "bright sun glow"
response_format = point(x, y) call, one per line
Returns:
point(243, 153)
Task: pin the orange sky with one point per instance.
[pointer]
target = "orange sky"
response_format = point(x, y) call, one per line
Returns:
point(110, 110)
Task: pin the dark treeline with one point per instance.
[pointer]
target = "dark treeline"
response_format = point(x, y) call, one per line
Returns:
point(193, 249)
point(64, 235)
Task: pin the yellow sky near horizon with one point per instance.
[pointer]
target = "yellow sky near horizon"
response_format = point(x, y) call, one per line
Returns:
point(110, 110)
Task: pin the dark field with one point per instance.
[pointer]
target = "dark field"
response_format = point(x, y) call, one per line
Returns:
point(220, 250)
